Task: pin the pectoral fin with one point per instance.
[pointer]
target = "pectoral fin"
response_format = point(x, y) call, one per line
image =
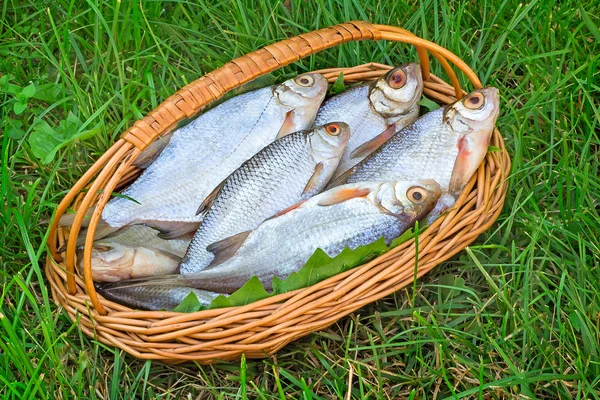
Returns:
point(102, 230)
point(341, 195)
point(149, 154)
point(288, 125)
point(340, 180)
point(287, 210)
point(367, 148)
point(461, 172)
point(210, 199)
point(224, 249)
point(315, 181)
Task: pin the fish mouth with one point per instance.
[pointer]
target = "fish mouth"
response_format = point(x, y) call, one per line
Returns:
point(493, 94)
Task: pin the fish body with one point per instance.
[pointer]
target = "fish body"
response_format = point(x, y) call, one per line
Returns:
point(154, 298)
point(348, 216)
point(446, 145)
point(374, 111)
point(289, 170)
point(203, 153)
point(133, 252)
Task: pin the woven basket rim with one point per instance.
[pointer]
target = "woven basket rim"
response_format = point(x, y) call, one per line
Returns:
point(261, 328)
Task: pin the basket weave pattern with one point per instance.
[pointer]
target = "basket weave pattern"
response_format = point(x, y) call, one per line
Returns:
point(261, 328)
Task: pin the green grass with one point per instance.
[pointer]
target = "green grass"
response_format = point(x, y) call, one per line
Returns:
point(516, 315)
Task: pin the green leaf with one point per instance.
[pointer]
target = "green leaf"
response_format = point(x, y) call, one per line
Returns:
point(428, 104)
point(6, 87)
point(318, 267)
point(493, 149)
point(19, 107)
point(189, 304)
point(252, 291)
point(338, 86)
point(28, 91)
point(45, 141)
point(13, 129)
point(407, 235)
point(49, 93)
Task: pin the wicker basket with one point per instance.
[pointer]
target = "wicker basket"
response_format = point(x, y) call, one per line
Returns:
point(261, 328)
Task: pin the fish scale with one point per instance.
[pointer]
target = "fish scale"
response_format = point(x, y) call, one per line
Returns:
point(269, 182)
point(427, 149)
point(159, 298)
point(349, 216)
point(355, 107)
point(204, 152)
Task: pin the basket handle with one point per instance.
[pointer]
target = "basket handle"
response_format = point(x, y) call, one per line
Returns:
point(192, 98)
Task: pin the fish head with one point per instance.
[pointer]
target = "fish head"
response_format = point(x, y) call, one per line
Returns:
point(473, 118)
point(301, 96)
point(409, 199)
point(329, 141)
point(397, 92)
point(476, 112)
point(109, 260)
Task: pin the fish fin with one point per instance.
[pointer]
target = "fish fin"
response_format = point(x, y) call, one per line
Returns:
point(102, 230)
point(341, 195)
point(340, 180)
point(173, 229)
point(210, 199)
point(287, 210)
point(461, 167)
point(367, 148)
point(224, 249)
point(150, 153)
point(68, 219)
point(315, 180)
point(287, 126)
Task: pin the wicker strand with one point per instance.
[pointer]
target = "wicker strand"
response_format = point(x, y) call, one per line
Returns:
point(261, 328)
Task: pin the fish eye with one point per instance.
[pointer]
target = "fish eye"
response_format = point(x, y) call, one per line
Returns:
point(416, 194)
point(305, 80)
point(474, 101)
point(333, 129)
point(396, 79)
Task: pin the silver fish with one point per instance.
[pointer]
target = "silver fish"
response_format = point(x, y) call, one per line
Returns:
point(203, 153)
point(446, 145)
point(375, 111)
point(153, 298)
point(347, 216)
point(133, 252)
point(291, 169)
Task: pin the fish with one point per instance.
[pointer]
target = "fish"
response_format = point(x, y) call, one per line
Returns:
point(375, 111)
point(291, 169)
point(135, 251)
point(343, 217)
point(201, 154)
point(153, 298)
point(447, 145)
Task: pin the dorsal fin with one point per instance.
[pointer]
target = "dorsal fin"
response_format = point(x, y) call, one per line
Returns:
point(337, 196)
point(210, 199)
point(367, 148)
point(287, 126)
point(172, 229)
point(224, 249)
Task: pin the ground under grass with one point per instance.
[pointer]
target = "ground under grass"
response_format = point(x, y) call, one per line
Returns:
point(516, 315)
